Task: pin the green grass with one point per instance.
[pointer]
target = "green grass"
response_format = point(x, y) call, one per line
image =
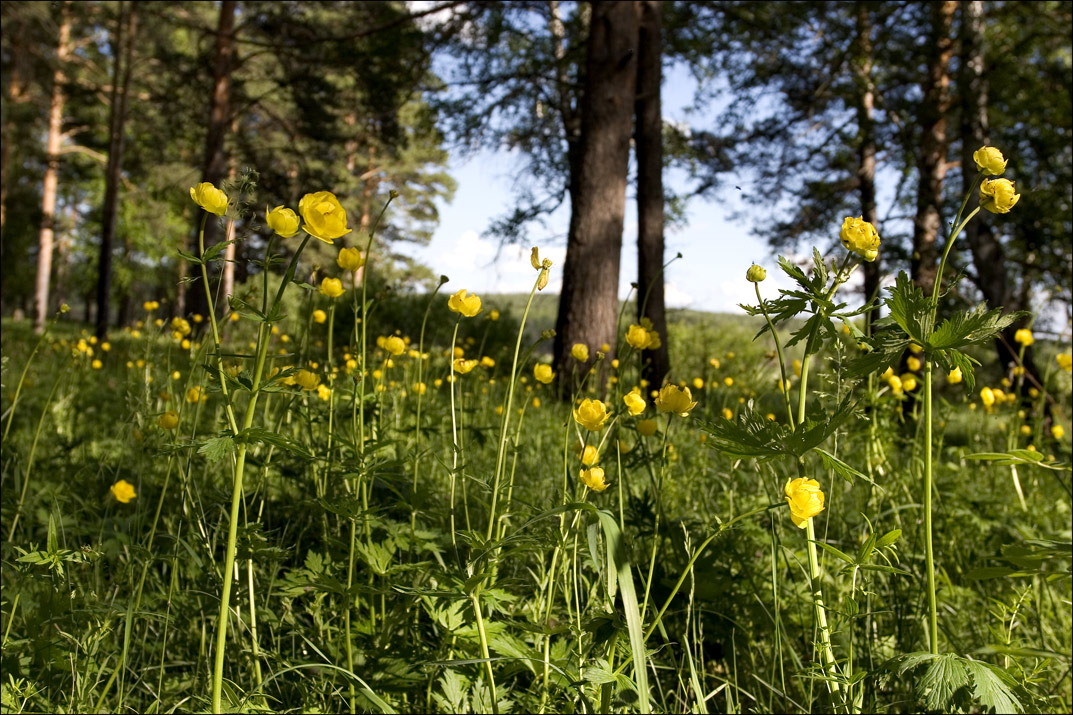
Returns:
point(107, 607)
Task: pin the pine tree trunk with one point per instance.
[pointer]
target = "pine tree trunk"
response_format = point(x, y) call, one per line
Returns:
point(866, 153)
point(649, 148)
point(123, 50)
point(214, 166)
point(931, 163)
point(588, 304)
point(48, 192)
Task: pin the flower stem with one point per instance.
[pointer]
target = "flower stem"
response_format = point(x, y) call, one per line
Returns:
point(826, 652)
point(782, 362)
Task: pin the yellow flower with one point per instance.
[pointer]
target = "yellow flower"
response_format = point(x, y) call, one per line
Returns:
point(1024, 336)
point(987, 396)
point(282, 220)
point(860, 237)
point(594, 479)
point(179, 325)
point(543, 373)
point(194, 394)
point(909, 382)
point(319, 316)
point(325, 218)
point(1058, 431)
point(169, 420)
point(997, 195)
point(755, 274)
point(209, 198)
point(638, 337)
point(468, 307)
point(350, 259)
point(634, 402)
point(591, 414)
point(989, 160)
point(536, 402)
point(1065, 361)
point(420, 388)
point(590, 456)
point(394, 345)
point(331, 287)
point(727, 414)
point(895, 383)
point(913, 363)
point(96, 364)
point(487, 362)
point(123, 491)
point(954, 376)
point(728, 381)
point(463, 366)
point(805, 499)
point(698, 383)
point(150, 305)
point(580, 351)
point(324, 392)
point(307, 379)
point(674, 399)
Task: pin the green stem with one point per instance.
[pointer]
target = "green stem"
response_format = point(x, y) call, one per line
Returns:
point(484, 652)
point(454, 435)
point(782, 362)
point(826, 652)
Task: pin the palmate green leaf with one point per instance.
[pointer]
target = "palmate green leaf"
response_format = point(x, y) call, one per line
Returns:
point(216, 448)
point(216, 249)
point(970, 327)
point(255, 434)
point(817, 428)
point(945, 675)
point(751, 436)
point(244, 309)
point(909, 308)
point(993, 687)
point(949, 359)
point(887, 346)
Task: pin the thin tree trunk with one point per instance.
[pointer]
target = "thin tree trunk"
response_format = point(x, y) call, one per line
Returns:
point(123, 50)
point(588, 304)
point(932, 164)
point(228, 279)
point(48, 192)
point(214, 165)
point(866, 167)
point(649, 148)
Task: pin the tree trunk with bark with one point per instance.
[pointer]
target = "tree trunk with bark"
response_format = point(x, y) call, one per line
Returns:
point(588, 304)
point(214, 165)
point(931, 163)
point(866, 152)
point(123, 51)
point(48, 192)
point(649, 148)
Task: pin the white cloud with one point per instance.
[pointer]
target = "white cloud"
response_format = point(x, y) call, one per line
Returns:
point(675, 297)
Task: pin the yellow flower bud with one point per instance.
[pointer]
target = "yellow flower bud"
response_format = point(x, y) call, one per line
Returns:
point(1024, 337)
point(169, 420)
point(350, 259)
point(755, 274)
point(282, 220)
point(543, 373)
point(861, 237)
point(805, 499)
point(319, 316)
point(594, 479)
point(209, 198)
point(394, 345)
point(997, 195)
point(674, 399)
point(954, 376)
point(635, 404)
point(331, 287)
point(989, 160)
point(580, 351)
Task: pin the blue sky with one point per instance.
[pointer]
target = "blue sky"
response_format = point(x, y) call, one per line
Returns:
point(715, 252)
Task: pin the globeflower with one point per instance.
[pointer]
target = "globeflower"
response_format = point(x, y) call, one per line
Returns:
point(913, 363)
point(1024, 336)
point(208, 197)
point(634, 402)
point(997, 195)
point(591, 414)
point(350, 259)
point(169, 420)
point(674, 399)
point(325, 219)
point(543, 373)
point(463, 366)
point(755, 274)
point(805, 499)
point(954, 376)
point(331, 287)
point(282, 220)
point(307, 379)
point(909, 382)
point(989, 160)
point(590, 456)
point(860, 237)
point(1065, 361)
point(463, 305)
point(580, 351)
point(594, 479)
point(394, 345)
point(987, 396)
point(123, 491)
point(319, 316)
point(640, 338)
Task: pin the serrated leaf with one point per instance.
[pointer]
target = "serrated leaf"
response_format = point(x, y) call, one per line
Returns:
point(749, 437)
point(993, 688)
point(839, 467)
point(909, 308)
point(214, 250)
point(970, 327)
point(946, 674)
point(216, 448)
point(190, 257)
point(243, 308)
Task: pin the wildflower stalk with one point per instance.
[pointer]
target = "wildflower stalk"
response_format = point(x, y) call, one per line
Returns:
point(212, 321)
point(782, 363)
point(826, 652)
point(417, 421)
point(263, 333)
point(506, 412)
point(929, 551)
point(455, 448)
point(484, 651)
